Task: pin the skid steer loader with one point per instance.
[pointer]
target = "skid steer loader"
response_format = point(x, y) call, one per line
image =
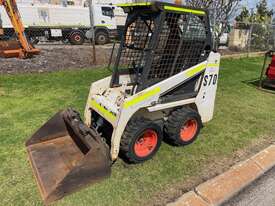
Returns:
point(163, 84)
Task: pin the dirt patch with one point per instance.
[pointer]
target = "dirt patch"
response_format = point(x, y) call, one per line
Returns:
point(57, 57)
point(212, 168)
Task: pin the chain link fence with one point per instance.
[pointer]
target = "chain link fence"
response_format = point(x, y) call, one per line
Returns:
point(73, 49)
point(250, 37)
point(63, 35)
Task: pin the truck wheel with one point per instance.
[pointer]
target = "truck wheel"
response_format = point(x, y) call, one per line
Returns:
point(76, 38)
point(140, 140)
point(101, 38)
point(183, 126)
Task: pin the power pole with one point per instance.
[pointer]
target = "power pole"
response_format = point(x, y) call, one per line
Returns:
point(215, 25)
point(92, 29)
point(250, 32)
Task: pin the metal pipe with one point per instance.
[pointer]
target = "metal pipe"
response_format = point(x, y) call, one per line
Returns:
point(92, 29)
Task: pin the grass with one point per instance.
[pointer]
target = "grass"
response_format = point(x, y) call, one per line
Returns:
point(243, 114)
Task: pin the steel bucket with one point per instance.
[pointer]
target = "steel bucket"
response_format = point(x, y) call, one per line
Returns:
point(66, 156)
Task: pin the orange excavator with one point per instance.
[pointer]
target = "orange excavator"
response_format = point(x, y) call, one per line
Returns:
point(21, 47)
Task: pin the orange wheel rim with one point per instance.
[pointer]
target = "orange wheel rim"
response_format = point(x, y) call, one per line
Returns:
point(189, 130)
point(146, 143)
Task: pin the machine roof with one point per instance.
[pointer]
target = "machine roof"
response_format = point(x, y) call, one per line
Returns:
point(165, 6)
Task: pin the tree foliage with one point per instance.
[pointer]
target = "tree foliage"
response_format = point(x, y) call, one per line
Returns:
point(259, 23)
point(244, 16)
point(262, 15)
point(200, 3)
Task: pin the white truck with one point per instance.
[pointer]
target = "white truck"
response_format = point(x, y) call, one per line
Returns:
point(67, 22)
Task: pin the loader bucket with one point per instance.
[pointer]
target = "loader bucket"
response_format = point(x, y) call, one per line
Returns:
point(12, 48)
point(66, 155)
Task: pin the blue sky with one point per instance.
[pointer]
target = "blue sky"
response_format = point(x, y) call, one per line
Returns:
point(252, 3)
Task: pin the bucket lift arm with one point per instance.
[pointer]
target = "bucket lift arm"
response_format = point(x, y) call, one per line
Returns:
point(24, 49)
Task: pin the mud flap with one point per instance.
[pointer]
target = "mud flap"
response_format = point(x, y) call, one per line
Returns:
point(66, 156)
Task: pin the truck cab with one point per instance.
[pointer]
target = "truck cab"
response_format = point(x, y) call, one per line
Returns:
point(104, 22)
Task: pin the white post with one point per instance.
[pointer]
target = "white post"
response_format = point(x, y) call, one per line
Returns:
point(92, 29)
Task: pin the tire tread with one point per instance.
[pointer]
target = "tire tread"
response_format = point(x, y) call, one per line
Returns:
point(132, 127)
point(174, 122)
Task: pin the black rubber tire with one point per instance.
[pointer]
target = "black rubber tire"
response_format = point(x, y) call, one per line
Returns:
point(102, 38)
point(76, 38)
point(175, 122)
point(133, 131)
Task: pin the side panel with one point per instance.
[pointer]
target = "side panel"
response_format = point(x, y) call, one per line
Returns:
point(205, 100)
point(69, 16)
point(28, 14)
point(54, 15)
point(50, 15)
point(96, 88)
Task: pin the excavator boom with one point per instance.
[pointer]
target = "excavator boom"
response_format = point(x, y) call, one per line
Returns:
point(21, 47)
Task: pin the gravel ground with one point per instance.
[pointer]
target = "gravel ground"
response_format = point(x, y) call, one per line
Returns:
point(57, 57)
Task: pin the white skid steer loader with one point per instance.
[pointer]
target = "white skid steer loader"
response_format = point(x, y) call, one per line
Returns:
point(164, 83)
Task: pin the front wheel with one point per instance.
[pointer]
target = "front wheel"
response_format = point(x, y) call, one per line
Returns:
point(101, 38)
point(141, 140)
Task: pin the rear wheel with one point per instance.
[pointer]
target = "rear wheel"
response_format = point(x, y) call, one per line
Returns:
point(141, 140)
point(76, 38)
point(183, 126)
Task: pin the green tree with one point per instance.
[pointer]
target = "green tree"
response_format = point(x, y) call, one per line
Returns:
point(244, 19)
point(263, 14)
point(259, 22)
point(244, 16)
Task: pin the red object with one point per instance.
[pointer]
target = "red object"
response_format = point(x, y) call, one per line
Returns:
point(271, 69)
point(189, 130)
point(146, 143)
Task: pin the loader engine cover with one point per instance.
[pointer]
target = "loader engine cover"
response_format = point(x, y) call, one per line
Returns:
point(66, 155)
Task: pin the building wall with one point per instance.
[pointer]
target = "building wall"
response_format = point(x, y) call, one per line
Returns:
point(238, 38)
